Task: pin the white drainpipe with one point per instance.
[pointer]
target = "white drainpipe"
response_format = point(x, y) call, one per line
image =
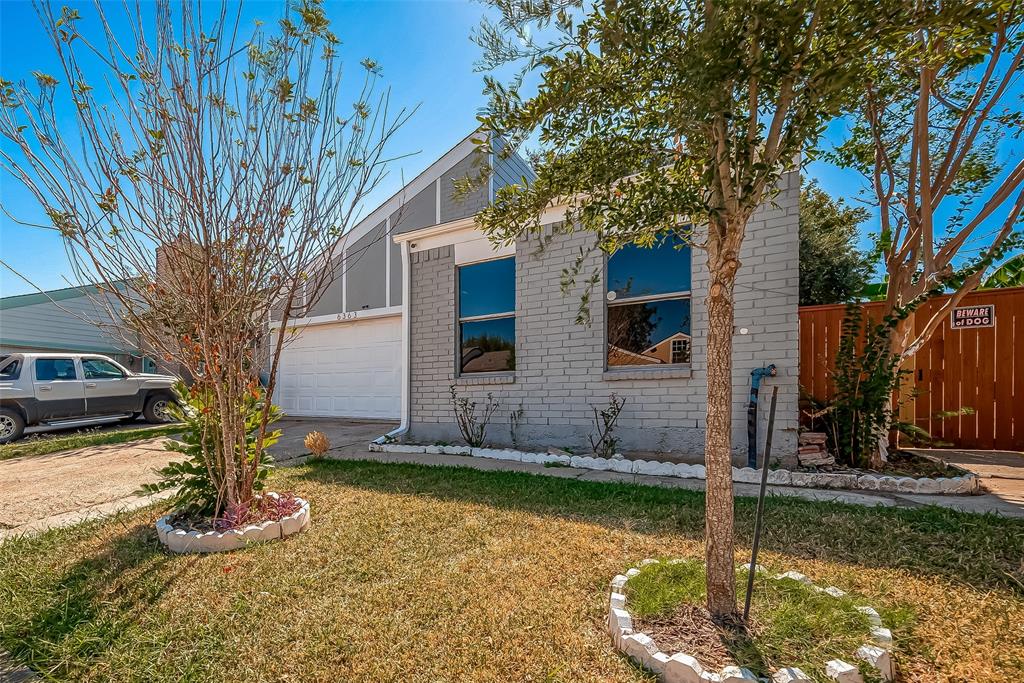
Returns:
point(403, 426)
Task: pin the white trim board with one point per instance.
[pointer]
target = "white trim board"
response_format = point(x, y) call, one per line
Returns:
point(347, 317)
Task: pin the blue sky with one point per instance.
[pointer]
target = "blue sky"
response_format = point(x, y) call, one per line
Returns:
point(427, 59)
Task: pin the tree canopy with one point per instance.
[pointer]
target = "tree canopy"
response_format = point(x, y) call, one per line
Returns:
point(659, 117)
point(926, 135)
point(832, 269)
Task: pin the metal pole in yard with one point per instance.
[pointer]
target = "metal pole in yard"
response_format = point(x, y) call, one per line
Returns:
point(760, 505)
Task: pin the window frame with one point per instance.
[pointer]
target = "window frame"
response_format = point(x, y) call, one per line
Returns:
point(459, 319)
point(672, 347)
point(644, 299)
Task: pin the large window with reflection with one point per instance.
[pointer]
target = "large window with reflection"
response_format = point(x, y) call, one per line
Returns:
point(649, 305)
point(487, 316)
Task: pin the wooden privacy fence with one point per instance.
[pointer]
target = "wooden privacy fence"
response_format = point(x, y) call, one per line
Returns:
point(981, 368)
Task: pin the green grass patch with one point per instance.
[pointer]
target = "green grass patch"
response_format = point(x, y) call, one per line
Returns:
point(793, 625)
point(418, 573)
point(41, 444)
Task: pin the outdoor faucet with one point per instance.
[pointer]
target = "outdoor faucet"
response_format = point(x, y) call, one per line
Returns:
point(756, 375)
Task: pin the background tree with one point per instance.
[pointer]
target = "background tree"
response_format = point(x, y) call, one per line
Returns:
point(1008, 274)
point(234, 159)
point(657, 117)
point(832, 269)
point(926, 139)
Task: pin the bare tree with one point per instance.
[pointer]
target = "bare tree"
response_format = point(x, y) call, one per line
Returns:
point(213, 177)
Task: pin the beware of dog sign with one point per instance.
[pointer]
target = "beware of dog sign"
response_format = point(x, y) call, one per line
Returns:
point(973, 316)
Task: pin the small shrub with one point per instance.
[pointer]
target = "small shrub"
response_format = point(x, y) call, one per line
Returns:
point(197, 495)
point(514, 420)
point(317, 443)
point(604, 442)
point(473, 424)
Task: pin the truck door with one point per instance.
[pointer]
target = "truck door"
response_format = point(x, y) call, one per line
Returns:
point(107, 388)
point(59, 389)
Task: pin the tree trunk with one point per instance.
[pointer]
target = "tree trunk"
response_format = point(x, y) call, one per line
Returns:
point(718, 527)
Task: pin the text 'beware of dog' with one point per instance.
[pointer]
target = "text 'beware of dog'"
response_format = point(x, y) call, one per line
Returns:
point(973, 316)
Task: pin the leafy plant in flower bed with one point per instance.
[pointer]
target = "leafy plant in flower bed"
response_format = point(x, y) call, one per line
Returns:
point(197, 496)
point(791, 623)
point(264, 508)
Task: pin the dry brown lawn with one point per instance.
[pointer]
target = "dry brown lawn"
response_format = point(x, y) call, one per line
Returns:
point(440, 574)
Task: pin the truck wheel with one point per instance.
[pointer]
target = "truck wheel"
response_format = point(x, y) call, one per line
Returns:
point(158, 409)
point(12, 425)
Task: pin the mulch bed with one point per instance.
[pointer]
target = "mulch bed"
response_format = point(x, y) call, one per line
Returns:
point(691, 630)
point(900, 464)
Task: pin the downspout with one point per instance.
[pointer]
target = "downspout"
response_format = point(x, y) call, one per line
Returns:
point(403, 426)
point(756, 375)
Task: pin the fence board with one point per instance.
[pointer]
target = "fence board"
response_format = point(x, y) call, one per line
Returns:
point(981, 368)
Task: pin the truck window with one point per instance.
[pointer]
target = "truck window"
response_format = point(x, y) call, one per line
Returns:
point(55, 369)
point(11, 370)
point(97, 368)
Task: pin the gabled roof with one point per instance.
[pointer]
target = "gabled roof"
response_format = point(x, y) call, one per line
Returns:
point(428, 176)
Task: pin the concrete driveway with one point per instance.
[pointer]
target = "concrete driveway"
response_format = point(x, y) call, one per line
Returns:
point(341, 432)
point(38, 492)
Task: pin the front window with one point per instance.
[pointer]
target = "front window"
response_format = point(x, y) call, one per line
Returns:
point(649, 305)
point(487, 316)
point(97, 368)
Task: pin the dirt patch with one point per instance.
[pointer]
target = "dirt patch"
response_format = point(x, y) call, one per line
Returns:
point(691, 630)
point(41, 486)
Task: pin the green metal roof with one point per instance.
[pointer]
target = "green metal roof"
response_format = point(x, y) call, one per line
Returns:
point(35, 298)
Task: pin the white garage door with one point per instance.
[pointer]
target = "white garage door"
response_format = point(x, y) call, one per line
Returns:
point(350, 369)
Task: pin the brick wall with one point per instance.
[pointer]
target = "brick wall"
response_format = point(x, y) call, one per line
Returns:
point(560, 374)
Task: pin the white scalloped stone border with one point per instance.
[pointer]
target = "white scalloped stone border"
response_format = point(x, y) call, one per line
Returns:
point(966, 484)
point(181, 541)
point(683, 668)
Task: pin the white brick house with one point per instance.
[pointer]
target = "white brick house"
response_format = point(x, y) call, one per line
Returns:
point(496, 321)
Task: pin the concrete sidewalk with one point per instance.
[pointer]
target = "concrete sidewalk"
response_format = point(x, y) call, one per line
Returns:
point(1001, 472)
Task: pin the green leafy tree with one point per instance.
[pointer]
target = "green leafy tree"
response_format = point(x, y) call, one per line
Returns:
point(1009, 274)
point(926, 137)
point(832, 270)
point(658, 118)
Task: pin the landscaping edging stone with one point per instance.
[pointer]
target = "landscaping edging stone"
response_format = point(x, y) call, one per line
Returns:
point(684, 668)
point(181, 541)
point(966, 484)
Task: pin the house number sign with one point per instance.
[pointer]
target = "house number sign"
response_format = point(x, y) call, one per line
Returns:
point(973, 316)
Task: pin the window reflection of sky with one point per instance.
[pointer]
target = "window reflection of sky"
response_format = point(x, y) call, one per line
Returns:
point(639, 271)
point(487, 288)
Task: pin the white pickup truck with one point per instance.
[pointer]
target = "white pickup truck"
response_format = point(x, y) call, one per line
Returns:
point(72, 389)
